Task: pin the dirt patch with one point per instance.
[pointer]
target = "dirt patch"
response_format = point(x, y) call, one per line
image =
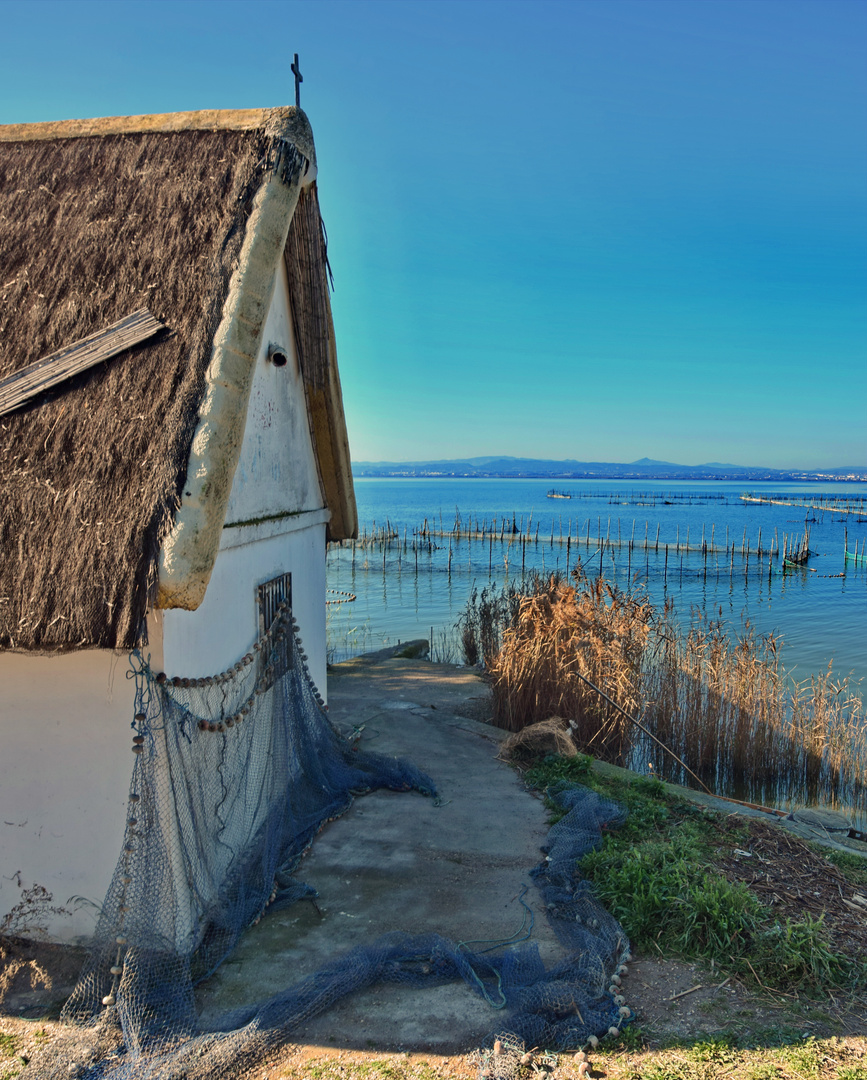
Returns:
point(794, 880)
point(36, 978)
point(673, 999)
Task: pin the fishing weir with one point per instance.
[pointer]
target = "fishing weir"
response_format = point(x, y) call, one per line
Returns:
point(489, 545)
point(822, 503)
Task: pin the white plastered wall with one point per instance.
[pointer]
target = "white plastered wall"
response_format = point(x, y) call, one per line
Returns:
point(65, 766)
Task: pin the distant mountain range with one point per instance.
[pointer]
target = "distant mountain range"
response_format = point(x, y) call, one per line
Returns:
point(643, 469)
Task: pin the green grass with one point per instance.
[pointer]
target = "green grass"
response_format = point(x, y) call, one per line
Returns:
point(729, 1056)
point(656, 876)
point(555, 769)
point(393, 1069)
point(854, 867)
point(11, 1063)
point(719, 1050)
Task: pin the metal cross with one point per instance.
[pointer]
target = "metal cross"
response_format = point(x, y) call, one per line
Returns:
point(299, 78)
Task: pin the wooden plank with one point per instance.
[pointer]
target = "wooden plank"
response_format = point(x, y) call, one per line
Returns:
point(55, 368)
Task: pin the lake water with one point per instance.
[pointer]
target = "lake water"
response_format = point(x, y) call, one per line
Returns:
point(403, 594)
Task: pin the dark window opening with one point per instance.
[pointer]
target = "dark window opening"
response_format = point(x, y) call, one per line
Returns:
point(271, 594)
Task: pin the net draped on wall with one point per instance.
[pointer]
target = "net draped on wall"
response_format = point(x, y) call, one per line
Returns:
point(233, 777)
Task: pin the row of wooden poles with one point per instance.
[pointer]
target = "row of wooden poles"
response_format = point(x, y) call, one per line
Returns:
point(515, 533)
point(834, 505)
point(515, 530)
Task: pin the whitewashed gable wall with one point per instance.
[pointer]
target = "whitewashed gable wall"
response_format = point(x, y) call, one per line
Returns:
point(275, 523)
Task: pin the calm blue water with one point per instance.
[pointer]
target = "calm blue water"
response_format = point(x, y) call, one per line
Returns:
point(821, 617)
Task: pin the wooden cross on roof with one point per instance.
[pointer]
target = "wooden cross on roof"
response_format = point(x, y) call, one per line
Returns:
point(299, 78)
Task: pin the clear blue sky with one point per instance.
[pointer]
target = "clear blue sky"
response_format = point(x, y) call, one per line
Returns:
point(600, 229)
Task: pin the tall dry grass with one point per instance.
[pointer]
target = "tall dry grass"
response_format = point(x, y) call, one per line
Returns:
point(559, 633)
point(721, 702)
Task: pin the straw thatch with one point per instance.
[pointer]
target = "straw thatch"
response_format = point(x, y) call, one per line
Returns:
point(307, 270)
point(92, 228)
point(306, 267)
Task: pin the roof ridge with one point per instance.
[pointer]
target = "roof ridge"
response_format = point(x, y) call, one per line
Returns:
point(198, 120)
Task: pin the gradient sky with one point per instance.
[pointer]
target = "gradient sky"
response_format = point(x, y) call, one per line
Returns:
point(600, 229)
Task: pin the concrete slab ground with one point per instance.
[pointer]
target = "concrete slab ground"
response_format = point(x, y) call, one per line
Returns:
point(454, 866)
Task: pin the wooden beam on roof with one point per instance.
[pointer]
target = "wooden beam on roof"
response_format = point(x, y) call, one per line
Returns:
point(55, 368)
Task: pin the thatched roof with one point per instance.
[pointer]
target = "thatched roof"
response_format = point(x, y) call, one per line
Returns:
point(98, 219)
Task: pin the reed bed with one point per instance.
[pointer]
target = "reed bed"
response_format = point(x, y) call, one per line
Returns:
point(722, 703)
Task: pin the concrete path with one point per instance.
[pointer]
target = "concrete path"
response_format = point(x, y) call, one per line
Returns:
point(404, 862)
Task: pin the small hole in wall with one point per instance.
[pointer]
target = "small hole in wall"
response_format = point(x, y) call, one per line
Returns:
point(277, 356)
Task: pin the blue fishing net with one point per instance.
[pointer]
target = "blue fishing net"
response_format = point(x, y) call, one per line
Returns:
point(234, 775)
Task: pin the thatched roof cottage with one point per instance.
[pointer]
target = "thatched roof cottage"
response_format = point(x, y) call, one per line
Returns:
point(157, 498)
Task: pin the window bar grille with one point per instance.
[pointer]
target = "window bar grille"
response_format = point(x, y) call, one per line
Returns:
point(270, 595)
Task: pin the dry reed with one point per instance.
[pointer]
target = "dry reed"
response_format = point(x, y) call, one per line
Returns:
point(92, 471)
point(722, 703)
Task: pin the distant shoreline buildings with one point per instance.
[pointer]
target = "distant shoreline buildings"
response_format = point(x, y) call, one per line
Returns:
point(529, 469)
